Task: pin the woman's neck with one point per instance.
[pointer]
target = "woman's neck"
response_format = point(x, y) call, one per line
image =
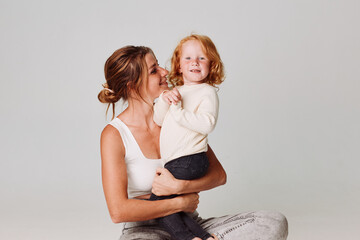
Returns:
point(138, 114)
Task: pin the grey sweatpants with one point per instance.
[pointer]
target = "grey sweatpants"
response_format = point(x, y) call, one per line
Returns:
point(261, 225)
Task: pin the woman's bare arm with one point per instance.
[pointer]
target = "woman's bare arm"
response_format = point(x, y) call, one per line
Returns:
point(114, 178)
point(165, 184)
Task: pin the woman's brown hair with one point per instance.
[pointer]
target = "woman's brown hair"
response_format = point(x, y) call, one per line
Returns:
point(216, 69)
point(125, 70)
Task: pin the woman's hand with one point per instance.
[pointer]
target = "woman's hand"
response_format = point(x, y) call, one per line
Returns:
point(189, 201)
point(165, 184)
point(172, 96)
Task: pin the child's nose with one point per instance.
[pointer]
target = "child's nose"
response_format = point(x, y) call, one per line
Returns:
point(195, 62)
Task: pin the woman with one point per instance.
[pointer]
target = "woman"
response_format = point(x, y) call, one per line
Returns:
point(132, 168)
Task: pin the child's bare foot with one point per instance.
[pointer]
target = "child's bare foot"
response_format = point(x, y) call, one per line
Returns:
point(196, 238)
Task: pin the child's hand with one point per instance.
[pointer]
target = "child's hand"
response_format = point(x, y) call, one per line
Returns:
point(172, 96)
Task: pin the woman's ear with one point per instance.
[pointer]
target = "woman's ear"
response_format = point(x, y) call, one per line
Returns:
point(129, 89)
point(128, 86)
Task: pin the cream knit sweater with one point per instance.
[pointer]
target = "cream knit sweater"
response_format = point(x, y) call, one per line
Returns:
point(185, 126)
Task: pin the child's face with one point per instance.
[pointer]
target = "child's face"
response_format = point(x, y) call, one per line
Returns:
point(194, 64)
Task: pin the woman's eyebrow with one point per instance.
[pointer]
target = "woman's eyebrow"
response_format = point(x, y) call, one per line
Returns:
point(153, 66)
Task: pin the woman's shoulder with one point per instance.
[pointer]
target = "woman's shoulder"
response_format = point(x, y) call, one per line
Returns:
point(111, 143)
point(113, 127)
point(108, 130)
point(110, 133)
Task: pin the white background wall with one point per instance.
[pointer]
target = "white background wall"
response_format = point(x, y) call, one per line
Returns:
point(289, 127)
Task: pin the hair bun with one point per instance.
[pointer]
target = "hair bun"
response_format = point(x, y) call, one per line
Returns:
point(107, 95)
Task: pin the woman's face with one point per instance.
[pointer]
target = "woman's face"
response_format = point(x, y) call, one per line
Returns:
point(156, 82)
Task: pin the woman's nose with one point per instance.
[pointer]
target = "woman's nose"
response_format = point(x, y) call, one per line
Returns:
point(164, 72)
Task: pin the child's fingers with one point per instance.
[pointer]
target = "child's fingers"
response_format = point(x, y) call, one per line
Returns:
point(176, 92)
point(172, 96)
point(167, 97)
point(167, 100)
point(173, 99)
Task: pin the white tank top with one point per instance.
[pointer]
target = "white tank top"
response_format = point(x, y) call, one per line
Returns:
point(140, 170)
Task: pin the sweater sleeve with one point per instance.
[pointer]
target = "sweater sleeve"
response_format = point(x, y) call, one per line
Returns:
point(203, 120)
point(160, 109)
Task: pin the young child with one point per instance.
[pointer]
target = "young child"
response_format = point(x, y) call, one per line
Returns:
point(187, 114)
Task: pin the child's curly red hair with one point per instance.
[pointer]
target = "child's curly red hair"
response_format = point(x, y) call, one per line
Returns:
point(216, 68)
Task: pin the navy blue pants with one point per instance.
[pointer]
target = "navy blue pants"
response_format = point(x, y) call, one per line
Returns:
point(180, 225)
